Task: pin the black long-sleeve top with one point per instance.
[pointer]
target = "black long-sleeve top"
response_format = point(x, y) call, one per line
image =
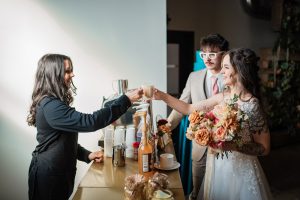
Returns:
point(58, 125)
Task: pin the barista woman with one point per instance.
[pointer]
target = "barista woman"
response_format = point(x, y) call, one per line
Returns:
point(53, 165)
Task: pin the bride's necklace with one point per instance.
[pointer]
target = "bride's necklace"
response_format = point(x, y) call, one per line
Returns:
point(240, 96)
point(246, 100)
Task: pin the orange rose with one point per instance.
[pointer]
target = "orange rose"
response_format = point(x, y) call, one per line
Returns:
point(227, 123)
point(202, 137)
point(195, 117)
point(231, 124)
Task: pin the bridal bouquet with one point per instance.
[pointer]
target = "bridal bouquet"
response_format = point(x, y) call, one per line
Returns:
point(218, 126)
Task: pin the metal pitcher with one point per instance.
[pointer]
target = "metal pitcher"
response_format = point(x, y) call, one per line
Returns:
point(118, 159)
point(120, 86)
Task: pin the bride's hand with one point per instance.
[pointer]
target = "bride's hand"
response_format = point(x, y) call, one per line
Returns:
point(229, 146)
point(158, 95)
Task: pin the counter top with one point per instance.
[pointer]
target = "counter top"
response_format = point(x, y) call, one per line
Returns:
point(103, 179)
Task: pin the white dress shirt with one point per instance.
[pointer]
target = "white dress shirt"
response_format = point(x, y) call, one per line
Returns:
point(208, 82)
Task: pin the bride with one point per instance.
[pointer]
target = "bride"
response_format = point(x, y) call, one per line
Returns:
point(238, 176)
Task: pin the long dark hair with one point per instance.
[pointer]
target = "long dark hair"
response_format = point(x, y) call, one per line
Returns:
point(49, 81)
point(244, 61)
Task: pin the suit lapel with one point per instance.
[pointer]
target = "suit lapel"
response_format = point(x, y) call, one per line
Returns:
point(198, 86)
point(204, 84)
point(202, 79)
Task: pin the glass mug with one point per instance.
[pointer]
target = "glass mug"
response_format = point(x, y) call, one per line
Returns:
point(148, 91)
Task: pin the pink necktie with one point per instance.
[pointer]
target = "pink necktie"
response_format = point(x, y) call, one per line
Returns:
point(214, 84)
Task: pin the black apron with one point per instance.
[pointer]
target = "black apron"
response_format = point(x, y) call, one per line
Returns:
point(46, 184)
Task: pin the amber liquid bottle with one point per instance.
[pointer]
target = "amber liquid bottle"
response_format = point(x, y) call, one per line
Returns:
point(145, 152)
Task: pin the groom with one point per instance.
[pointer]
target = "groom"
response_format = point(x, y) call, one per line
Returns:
point(199, 86)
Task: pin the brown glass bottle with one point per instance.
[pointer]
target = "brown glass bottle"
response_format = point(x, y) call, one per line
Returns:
point(145, 152)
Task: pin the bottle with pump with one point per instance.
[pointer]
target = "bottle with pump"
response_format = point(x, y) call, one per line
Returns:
point(145, 151)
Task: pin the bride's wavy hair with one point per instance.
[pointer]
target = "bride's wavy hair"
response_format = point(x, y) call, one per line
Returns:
point(49, 81)
point(244, 61)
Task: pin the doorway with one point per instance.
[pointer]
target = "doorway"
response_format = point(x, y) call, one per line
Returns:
point(180, 60)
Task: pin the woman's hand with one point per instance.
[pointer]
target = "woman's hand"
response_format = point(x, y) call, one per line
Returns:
point(97, 156)
point(229, 146)
point(173, 102)
point(134, 94)
point(158, 95)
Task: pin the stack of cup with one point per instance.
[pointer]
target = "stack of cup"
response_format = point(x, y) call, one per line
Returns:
point(108, 141)
point(119, 135)
point(130, 139)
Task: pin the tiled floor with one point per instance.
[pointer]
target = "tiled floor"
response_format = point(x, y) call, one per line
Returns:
point(282, 168)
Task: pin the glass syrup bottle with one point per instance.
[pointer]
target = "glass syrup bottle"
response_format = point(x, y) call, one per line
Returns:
point(145, 152)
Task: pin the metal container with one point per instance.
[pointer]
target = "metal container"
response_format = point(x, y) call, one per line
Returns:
point(120, 86)
point(118, 159)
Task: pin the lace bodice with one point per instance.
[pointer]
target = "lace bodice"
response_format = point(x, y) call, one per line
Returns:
point(256, 122)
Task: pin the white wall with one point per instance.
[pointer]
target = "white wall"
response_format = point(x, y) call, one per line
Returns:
point(220, 16)
point(106, 40)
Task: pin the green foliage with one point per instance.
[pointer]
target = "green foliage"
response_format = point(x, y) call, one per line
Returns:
point(281, 101)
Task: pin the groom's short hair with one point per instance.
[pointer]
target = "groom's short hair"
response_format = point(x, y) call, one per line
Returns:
point(215, 40)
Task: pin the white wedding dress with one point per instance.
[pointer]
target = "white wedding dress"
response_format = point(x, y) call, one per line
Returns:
point(240, 176)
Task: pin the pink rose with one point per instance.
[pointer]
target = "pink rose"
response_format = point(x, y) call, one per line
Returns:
point(219, 134)
point(210, 115)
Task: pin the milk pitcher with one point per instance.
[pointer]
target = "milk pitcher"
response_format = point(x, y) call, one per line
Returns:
point(120, 86)
point(118, 159)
